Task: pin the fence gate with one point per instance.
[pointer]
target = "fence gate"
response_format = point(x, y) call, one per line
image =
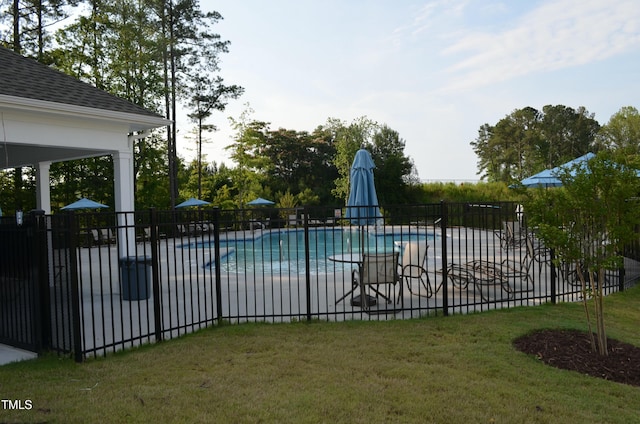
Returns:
point(20, 310)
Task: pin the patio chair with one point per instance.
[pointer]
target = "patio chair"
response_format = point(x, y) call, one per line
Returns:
point(414, 268)
point(182, 230)
point(376, 269)
point(95, 237)
point(146, 234)
point(107, 236)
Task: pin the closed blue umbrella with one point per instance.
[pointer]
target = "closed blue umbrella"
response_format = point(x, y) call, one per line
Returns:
point(192, 202)
point(83, 203)
point(362, 205)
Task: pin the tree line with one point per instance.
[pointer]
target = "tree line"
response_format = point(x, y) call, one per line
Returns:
point(528, 140)
point(164, 55)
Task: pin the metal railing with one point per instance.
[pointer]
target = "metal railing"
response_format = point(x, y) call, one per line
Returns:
point(109, 281)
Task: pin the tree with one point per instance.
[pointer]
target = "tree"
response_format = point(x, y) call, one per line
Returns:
point(622, 132)
point(28, 21)
point(348, 139)
point(89, 177)
point(150, 171)
point(208, 94)
point(149, 52)
point(287, 203)
point(299, 161)
point(566, 134)
point(588, 222)
point(185, 33)
point(393, 168)
point(527, 141)
point(505, 148)
point(249, 173)
point(488, 155)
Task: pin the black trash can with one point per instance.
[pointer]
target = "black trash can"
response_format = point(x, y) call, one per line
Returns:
point(135, 277)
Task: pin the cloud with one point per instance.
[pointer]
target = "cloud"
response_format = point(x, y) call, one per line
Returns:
point(428, 17)
point(555, 35)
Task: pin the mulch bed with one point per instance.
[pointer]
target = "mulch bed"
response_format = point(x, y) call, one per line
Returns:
point(571, 350)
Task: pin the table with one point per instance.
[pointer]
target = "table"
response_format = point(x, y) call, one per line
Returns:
point(356, 259)
point(347, 258)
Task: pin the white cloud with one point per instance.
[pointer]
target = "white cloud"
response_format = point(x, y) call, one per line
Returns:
point(556, 35)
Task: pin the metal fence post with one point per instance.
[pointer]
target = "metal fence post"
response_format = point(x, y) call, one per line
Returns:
point(216, 254)
point(43, 321)
point(621, 277)
point(443, 240)
point(157, 305)
point(75, 289)
point(554, 284)
point(307, 262)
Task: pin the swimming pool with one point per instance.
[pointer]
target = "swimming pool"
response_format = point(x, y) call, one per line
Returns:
point(283, 251)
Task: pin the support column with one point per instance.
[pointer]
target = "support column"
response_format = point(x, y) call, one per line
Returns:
point(43, 187)
point(125, 205)
point(123, 181)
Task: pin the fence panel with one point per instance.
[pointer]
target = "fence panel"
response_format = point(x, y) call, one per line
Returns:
point(117, 280)
point(19, 284)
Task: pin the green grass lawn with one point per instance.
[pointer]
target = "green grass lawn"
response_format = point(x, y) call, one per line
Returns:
point(460, 369)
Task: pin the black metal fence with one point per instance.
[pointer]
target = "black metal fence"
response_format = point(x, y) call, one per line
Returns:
point(93, 283)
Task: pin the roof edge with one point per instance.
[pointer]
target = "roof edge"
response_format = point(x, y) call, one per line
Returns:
point(135, 121)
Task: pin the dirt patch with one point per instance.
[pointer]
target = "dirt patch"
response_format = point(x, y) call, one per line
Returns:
point(571, 350)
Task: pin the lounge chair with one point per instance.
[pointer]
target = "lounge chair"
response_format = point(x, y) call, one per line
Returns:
point(414, 268)
point(256, 223)
point(508, 270)
point(511, 235)
point(512, 276)
point(479, 275)
point(538, 253)
point(376, 269)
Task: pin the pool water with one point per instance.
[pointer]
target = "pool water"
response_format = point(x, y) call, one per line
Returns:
point(283, 251)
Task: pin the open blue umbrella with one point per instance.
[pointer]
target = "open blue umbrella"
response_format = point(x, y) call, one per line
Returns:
point(260, 202)
point(362, 204)
point(83, 203)
point(542, 179)
point(192, 202)
point(549, 177)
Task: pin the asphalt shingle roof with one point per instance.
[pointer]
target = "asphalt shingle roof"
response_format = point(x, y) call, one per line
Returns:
point(27, 78)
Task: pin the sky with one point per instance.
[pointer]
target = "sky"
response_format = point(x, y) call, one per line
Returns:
point(434, 71)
